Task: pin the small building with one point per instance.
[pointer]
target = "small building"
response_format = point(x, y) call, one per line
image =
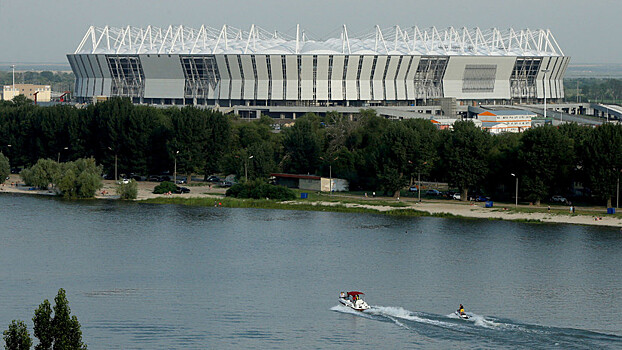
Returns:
point(44, 92)
point(448, 123)
point(505, 120)
point(311, 182)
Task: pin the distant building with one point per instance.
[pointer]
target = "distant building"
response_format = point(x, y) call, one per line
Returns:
point(505, 120)
point(281, 75)
point(28, 90)
point(447, 123)
point(311, 182)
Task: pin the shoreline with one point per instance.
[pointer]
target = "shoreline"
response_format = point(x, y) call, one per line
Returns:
point(199, 195)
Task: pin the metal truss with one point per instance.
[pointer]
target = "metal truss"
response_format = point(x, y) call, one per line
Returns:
point(255, 40)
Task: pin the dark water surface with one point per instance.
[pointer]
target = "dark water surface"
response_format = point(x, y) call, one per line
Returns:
point(141, 276)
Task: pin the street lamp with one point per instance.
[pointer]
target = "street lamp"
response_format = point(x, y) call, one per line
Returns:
point(618, 191)
point(58, 159)
point(330, 174)
point(115, 164)
point(246, 167)
point(516, 203)
point(544, 85)
point(13, 92)
point(175, 168)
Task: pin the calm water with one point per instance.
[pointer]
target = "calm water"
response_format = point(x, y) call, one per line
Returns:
point(163, 276)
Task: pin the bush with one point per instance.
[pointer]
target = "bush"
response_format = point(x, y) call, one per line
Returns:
point(165, 187)
point(128, 190)
point(42, 174)
point(260, 190)
point(5, 168)
point(78, 179)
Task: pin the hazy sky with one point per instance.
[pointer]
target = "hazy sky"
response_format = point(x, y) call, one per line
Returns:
point(41, 31)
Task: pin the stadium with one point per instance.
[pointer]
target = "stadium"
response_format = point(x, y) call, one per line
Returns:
point(179, 65)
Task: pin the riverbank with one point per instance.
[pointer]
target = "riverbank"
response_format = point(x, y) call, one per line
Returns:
point(207, 195)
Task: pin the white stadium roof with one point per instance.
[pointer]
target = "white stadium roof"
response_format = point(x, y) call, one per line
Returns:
point(391, 41)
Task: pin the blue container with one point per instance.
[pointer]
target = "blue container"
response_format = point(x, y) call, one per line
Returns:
point(488, 204)
point(304, 195)
point(611, 210)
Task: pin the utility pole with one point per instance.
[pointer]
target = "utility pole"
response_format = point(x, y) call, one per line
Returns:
point(544, 85)
point(13, 92)
point(516, 203)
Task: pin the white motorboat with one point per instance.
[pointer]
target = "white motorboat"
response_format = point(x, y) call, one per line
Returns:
point(353, 300)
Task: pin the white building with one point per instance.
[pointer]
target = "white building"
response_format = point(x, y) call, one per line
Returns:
point(500, 121)
point(389, 67)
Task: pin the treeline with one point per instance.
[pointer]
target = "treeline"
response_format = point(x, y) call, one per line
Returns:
point(593, 90)
point(371, 152)
point(59, 81)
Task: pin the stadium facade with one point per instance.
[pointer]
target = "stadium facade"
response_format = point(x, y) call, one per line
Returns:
point(382, 67)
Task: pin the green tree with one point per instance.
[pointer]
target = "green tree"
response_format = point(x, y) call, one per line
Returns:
point(128, 190)
point(43, 326)
point(79, 179)
point(17, 337)
point(5, 168)
point(61, 331)
point(545, 157)
point(465, 156)
point(397, 150)
point(302, 144)
point(66, 328)
point(603, 160)
point(21, 100)
point(42, 174)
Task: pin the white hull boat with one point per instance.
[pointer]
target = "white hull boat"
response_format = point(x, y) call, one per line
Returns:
point(353, 300)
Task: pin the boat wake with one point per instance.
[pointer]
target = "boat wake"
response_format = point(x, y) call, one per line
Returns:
point(492, 331)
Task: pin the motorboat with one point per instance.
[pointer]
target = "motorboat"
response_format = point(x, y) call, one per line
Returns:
point(353, 300)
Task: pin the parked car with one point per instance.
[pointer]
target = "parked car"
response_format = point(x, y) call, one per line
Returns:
point(181, 190)
point(559, 199)
point(413, 189)
point(213, 178)
point(433, 192)
point(124, 181)
point(456, 196)
point(226, 183)
point(181, 180)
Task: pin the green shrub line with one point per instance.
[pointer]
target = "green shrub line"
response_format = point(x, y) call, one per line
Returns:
point(296, 205)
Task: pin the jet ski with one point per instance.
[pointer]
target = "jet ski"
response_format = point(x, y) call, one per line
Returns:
point(353, 300)
point(463, 316)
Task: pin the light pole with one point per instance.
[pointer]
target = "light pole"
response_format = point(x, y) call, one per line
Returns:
point(58, 159)
point(246, 167)
point(330, 174)
point(115, 164)
point(175, 168)
point(618, 191)
point(516, 203)
point(544, 85)
point(13, 92)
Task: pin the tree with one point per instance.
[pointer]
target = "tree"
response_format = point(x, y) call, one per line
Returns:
point(42, 174)
point(61, 331)
point(465, 152)
point(5, 168)
point(603, 160)
point(544, 159)
point(43, 326)
point(397, 150)
point(128, 190)
point(21, 100)
point(302, 145)
point(17, 337)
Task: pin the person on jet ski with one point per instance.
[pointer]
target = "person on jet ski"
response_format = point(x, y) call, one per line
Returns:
point(461, 310)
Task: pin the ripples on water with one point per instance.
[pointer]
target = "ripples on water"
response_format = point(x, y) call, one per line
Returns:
point(164, 276)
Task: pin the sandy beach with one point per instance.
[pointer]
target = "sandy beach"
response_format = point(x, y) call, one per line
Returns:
point(586, 216)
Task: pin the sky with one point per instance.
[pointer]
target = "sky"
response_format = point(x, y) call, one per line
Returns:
point(44, 31)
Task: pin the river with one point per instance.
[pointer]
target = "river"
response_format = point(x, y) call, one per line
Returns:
point(144, 276)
